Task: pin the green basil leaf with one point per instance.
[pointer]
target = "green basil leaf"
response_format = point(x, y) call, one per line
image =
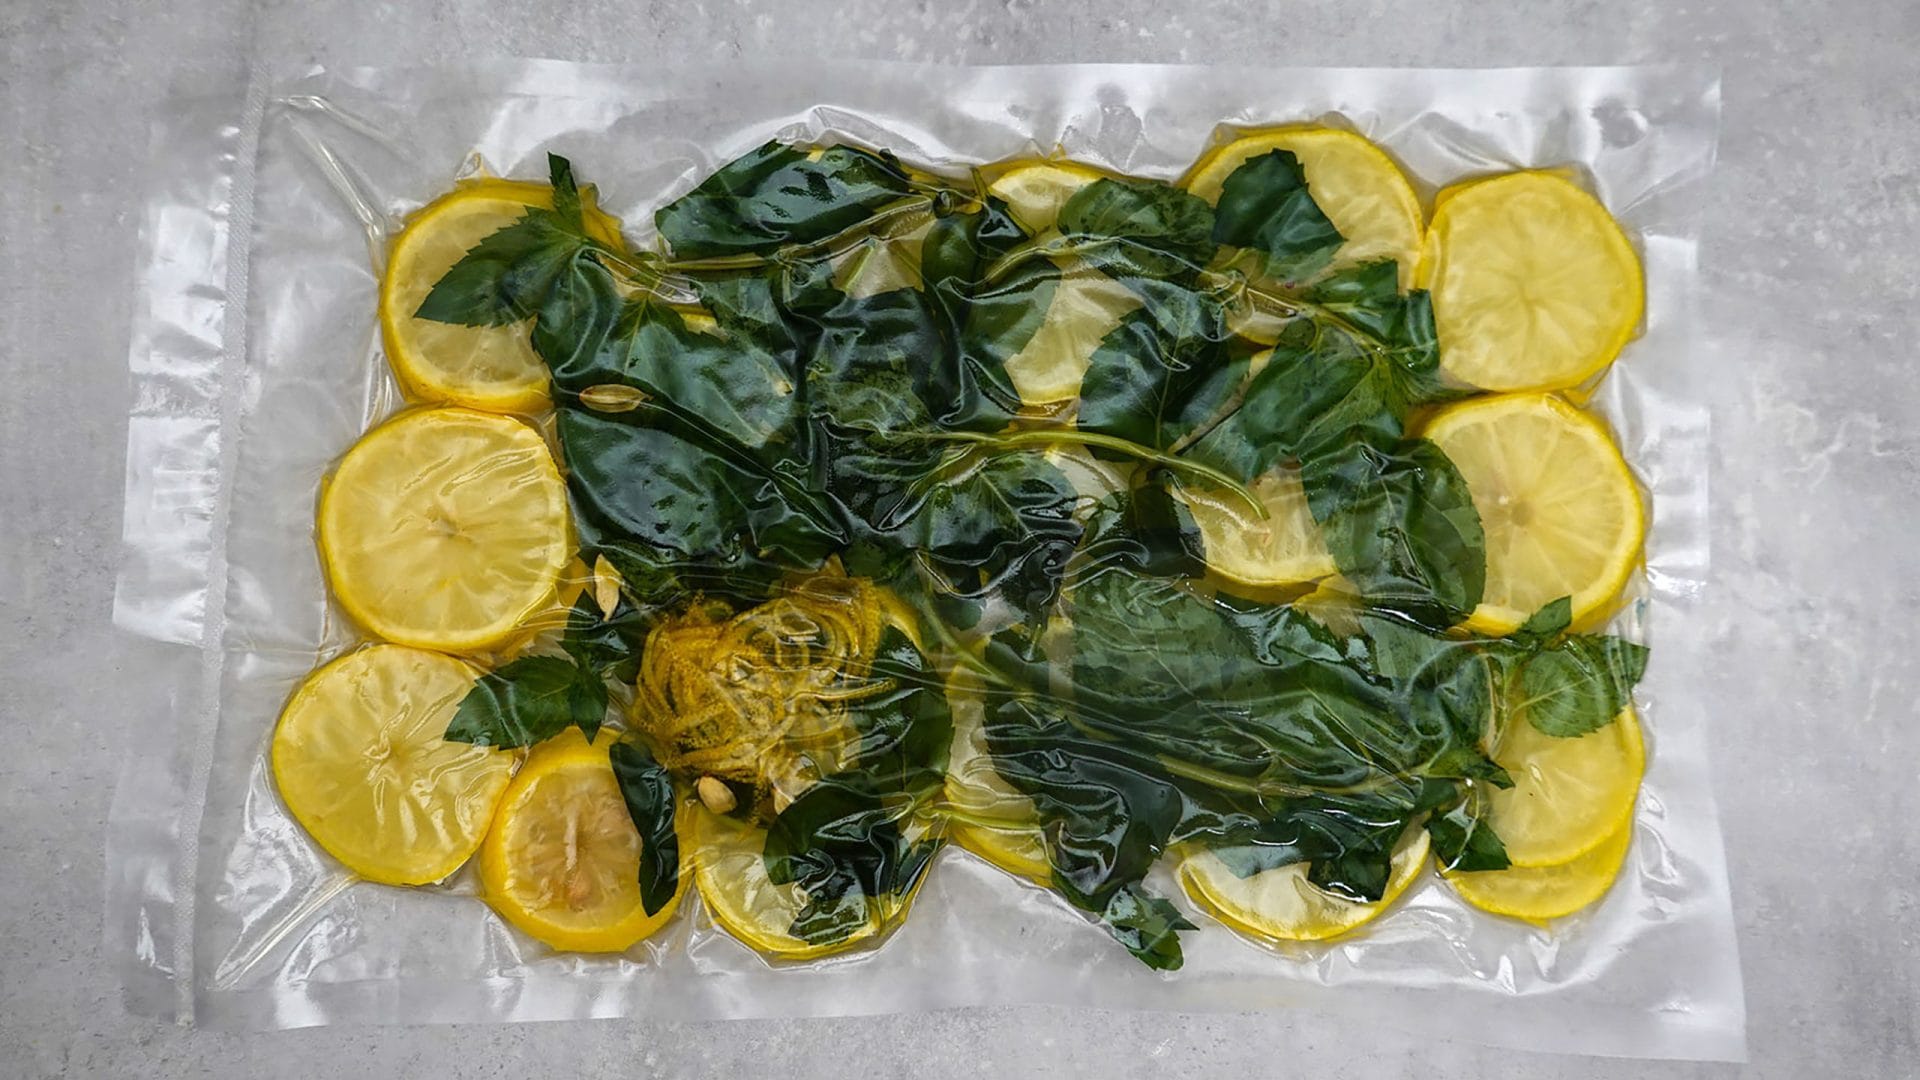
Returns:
point(1265, 205)
point(1144, 228)
point(1152, 383)
point(1544, 625)
point(696, 498)
point(1463, 841)
point(1005, 522)
point(527, 701)
point(1580, 685)
point(779, 195)
point(1148, 926)
point(566, 196)
point(505, 278)
point(1317, 393)
point(1146, 530)
point(647, 789)
point(1367, 297)
point(607, 644)
point(1402, 526)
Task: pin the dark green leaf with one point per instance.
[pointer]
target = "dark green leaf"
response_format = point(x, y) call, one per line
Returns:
point(529, 700)
point(1146, 530)
point(842, 841)
point(842, 844)
point(647, 790)
point(1000, 522)
point(1402, 526)
point(689, 494)
point(1265, 205)
point(1581, 684)
point(1140, 228)
point(1463, 841)
point(505, 278)
point(973, 390)
point(1317, 394)
point(1544, 625)
point(566, 196)
point(1367, 298)
point(1147, 926)
point(779, 195)
point(607, 644)
point(1151, 383)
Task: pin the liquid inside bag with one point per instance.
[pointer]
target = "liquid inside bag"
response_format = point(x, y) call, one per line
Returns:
point(862, 537)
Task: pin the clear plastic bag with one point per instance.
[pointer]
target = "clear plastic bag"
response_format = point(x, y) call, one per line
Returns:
point(257, 361)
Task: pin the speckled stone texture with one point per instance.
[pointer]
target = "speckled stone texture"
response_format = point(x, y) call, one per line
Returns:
point(1811, 257)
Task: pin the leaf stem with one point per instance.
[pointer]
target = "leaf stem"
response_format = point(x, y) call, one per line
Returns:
point(1045, 437)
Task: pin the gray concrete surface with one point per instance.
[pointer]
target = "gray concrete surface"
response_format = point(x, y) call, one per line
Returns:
point(1812, 254)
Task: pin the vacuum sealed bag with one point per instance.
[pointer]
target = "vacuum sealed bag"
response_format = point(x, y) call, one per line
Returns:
point(847, 538)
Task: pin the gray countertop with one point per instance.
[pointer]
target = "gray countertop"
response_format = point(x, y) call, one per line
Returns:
point(1811, 258)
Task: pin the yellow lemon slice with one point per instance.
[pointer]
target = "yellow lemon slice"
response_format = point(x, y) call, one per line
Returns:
point(358, 757)
point(1540, 893)
point(445, 528)
point(1560, 507)
point(1086, 305)
point(485, 367)
point(1035, 190)
point(1283, 549)
point(562, 861)
point(1569, 795)
point(1281, 905)
point(987, 815)
point(732, 876)
point(1534, 285)
point(1360, 189)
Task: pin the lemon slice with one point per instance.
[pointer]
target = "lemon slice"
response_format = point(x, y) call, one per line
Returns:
point(1547, 892)
point(562, 861)
point(485, 367)
point(1534, 285)
point(1560, 507)
point(1035, 190)
point(445, 528)
point(732, 875)
point(1362, 192)
point(1569, 795)
point(1281, 905)
point(1284, 549)
point(990, 817)
point(1086, 305)
point(358, 757)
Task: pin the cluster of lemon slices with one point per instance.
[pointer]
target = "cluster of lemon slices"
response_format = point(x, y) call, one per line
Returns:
point(445, 535)
point(1535, 291)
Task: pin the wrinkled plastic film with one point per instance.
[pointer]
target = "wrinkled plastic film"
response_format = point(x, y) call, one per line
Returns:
point(253, 926)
